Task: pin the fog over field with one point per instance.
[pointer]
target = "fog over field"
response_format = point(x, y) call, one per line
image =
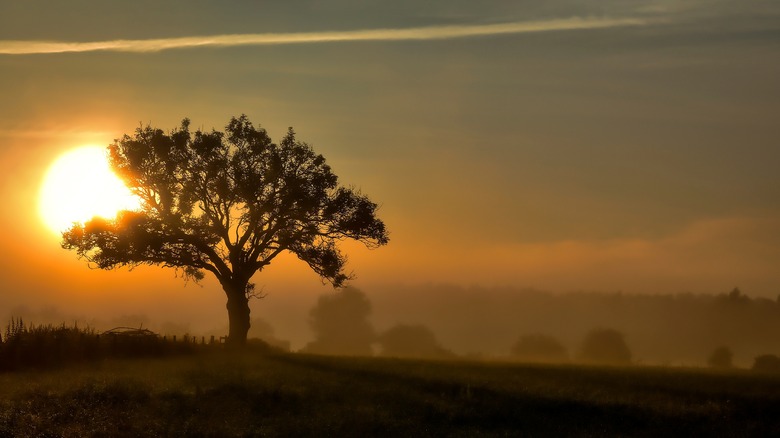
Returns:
point(485, 324)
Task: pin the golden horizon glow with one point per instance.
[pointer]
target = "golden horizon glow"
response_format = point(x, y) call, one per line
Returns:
point(80, 185)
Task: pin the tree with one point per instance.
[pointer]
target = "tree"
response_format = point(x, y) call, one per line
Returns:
point(340, 324)
point(228, 204)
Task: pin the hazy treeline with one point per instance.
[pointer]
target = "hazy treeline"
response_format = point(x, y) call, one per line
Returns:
point(658, 329)
point(721, 331)
point(340, 322)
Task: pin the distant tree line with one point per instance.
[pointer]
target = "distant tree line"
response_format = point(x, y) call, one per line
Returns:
point(341, 325)
point(674, 329)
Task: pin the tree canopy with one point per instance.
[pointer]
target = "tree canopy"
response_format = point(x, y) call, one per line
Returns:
point(227, 203)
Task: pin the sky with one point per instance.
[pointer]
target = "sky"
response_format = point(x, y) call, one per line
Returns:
point(559, 145)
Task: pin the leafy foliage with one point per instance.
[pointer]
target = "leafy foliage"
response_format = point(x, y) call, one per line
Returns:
point(214, 200)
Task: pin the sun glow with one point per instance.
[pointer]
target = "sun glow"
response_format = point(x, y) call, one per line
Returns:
point(80, 185)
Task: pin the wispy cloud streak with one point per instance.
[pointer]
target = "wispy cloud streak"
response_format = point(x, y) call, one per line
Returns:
point(11, 47)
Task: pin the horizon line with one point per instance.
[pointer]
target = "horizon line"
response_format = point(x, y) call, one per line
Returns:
point(32, 47)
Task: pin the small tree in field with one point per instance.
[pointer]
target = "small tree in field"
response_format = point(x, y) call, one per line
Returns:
point(227, 203)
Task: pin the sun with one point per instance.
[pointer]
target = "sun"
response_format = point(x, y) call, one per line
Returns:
point(80, 185)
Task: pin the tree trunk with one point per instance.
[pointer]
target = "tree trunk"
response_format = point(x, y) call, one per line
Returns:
point(238, 313)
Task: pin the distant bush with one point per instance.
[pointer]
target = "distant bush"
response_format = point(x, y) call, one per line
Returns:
point(767, 363)
point(539, 348)
point(411, 341)
point(721, 357)
point(605, 346)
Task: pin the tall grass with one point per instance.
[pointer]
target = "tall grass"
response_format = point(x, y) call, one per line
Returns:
point(45, 346)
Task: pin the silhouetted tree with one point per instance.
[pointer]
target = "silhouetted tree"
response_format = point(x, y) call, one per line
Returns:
point(721, 357)
point(227, 203)
point(605, 346)
point(340, 324)
point(411, 341)
point(539, 348)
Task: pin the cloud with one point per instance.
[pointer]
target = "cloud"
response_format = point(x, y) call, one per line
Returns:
point(10, 47)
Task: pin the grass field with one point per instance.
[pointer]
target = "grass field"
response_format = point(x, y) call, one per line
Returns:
point(220, 393)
